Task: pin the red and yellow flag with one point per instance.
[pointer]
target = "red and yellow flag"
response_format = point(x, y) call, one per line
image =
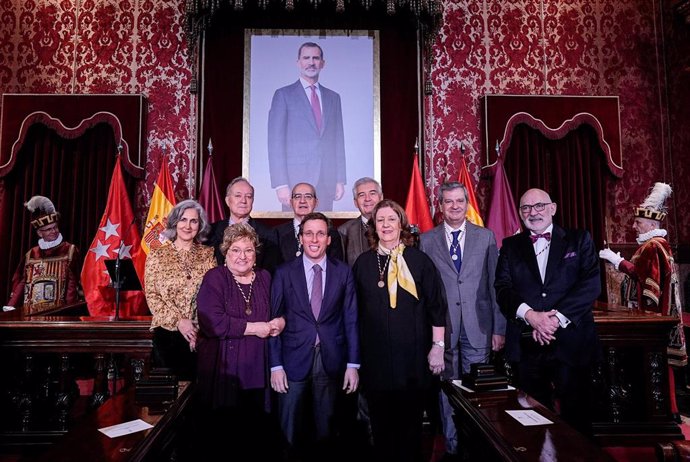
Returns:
point(472, 207)
point(162, 201)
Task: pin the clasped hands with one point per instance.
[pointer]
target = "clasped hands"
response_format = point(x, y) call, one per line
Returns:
point(544, 323)
point(271, 328)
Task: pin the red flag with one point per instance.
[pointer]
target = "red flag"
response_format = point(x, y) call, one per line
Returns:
point(209, 198)
point(503, 219)
point(472, 206)
point(417, 206)
point(117, 226)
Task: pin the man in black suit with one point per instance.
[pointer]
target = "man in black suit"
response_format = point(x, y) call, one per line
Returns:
point(239, 197)
point(546, 282)
point(303, 202)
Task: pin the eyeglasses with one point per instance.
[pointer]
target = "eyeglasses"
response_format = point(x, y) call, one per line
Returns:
point(306, 197)
point(538, 207)
point(235, 252)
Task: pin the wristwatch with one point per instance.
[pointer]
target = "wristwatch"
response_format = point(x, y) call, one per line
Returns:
point(439, 343)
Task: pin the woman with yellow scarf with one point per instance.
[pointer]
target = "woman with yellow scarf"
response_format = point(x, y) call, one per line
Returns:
point(402, 320)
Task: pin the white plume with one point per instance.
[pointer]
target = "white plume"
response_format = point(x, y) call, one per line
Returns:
point(40, 203)
point(657, 197)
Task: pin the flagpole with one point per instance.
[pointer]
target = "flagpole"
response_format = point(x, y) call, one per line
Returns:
point(117, 285)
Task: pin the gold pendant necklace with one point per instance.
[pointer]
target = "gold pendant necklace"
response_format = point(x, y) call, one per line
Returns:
point(247, 298)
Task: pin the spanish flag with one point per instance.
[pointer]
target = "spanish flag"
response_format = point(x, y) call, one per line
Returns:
point(472, 208)
point(162, 201)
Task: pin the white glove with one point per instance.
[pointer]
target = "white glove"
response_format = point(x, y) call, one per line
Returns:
point(7, 308)
point(611, 256)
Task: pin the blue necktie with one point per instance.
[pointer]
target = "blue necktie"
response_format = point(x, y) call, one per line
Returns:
point(455, 251)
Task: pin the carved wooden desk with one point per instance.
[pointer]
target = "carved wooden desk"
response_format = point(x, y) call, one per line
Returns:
point(41, 357)
point(85, 442)
point(631, 383)
point(488, 433)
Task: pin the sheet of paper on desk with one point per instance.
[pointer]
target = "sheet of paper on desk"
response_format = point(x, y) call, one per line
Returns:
point(125, 428)
point(458, 383)
point(529, 418)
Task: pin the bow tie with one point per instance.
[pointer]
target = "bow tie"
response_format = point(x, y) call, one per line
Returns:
point(535, 237)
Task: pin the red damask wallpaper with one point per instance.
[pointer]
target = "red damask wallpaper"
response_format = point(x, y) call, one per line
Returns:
point(108, 46)
point(569, 47)
point(543, 47)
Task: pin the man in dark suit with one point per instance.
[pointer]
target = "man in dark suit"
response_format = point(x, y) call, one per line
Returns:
point(239, 197)
point(465, 256)
point(318, 351)
point(546, 282)
point(306, 142)
point(366, 194)
point(303, 202)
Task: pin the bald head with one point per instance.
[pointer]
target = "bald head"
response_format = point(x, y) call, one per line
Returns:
point(537, 210)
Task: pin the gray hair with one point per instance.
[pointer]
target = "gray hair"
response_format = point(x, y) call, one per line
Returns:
point(176, 214)
point(365, 180)
point(239, 179)
point(451, 186)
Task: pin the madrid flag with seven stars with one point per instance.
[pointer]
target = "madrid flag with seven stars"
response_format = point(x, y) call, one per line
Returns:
point(116, 230)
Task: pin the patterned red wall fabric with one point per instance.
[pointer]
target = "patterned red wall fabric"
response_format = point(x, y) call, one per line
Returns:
point(550, 47)
point(543, 47)
point(108, 46)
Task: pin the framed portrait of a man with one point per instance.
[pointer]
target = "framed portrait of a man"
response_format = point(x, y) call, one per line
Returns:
point(311, 115)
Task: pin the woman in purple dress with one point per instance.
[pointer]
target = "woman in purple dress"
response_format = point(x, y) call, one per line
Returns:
point(233, 310)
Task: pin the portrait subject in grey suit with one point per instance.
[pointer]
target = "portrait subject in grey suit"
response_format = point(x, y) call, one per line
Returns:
point(306, 141)
point(466, 256)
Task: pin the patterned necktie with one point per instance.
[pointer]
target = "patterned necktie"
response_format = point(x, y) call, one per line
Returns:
point(536, 237)
point(316, 106)
point(455, 251)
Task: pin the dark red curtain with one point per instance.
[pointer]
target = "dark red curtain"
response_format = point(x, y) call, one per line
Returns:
point(74, 173)
point(572, 170)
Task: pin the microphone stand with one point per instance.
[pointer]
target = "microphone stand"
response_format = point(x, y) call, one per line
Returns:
point(117, 283)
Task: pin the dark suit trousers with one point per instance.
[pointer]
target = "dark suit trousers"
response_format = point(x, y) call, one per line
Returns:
point(317, 392)
point(559, 386)
point(396, 424)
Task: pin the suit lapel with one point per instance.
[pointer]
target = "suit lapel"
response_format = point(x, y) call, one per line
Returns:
point(467, 255)
point(528, 256)
point(301, 96)
point(558, 246)
point(330, 289)
point(299, 282)
point(442, 246)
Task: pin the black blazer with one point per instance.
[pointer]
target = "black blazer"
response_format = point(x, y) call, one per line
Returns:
point(571, 285)
point(287, 242)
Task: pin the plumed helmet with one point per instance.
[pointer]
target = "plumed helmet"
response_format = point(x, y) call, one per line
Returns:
point(42, 211)
point(654, 207)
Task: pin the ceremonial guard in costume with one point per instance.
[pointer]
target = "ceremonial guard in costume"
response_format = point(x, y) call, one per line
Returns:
point(48, 274)
point(651, 276)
